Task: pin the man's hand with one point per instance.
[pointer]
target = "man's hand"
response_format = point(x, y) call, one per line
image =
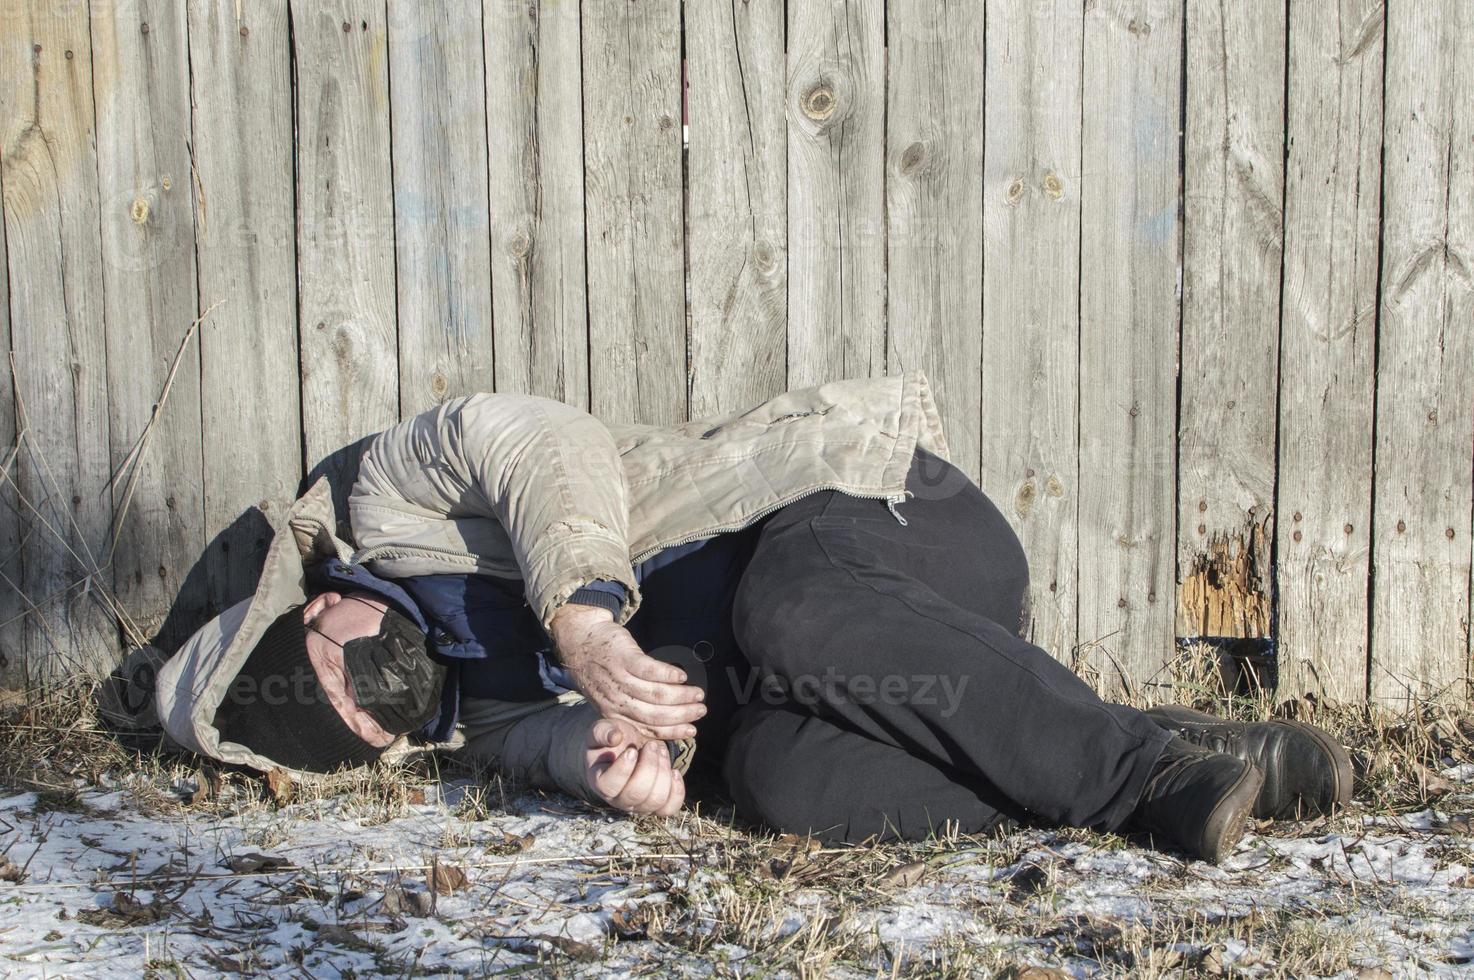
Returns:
point(628, 775)
point(621, 679)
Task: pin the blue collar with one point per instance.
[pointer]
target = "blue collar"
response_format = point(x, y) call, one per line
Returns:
point(336, 574)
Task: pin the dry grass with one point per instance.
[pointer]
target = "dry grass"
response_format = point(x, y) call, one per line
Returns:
point(740, 903)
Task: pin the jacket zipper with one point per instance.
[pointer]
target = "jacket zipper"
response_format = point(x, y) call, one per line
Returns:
point(891, 500)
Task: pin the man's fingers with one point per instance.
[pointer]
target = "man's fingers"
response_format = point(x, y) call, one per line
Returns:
point(646, 667)
point(677, 797)
point(605, 734)
point(664, 693)
point(659, 797)
point(660, 716)
point(643, 779)
point(612, 782)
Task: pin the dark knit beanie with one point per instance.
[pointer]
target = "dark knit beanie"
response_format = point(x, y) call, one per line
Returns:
point(276, 708)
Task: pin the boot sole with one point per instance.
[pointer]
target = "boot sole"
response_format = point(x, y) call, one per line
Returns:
point(1226, 824)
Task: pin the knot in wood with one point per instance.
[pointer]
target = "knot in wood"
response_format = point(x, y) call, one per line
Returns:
point(1024, 501)
point(138, 211)
point(520, 244)
point(1053, 186)
point(914, 158)
point(819, 102)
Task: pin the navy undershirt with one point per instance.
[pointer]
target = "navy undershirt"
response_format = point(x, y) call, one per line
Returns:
point(484, 631)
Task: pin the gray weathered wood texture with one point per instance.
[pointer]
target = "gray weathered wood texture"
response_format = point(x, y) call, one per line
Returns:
point(60, 396)
point(13, 611)
point(1233, 199)
point(836, 191)
point(140, 74)
point(1425, 363)
point(633, 206)
point(1128, 338)
point(441, 242)
point(933, 155)
point(247, 256)
point(737, 216)
point(1209, 359)
point(1328, 346)
point(1031, 287)
point(534, 110)
point(345, 229)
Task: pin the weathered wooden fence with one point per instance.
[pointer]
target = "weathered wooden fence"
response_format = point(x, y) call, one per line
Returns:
point(1192, 279)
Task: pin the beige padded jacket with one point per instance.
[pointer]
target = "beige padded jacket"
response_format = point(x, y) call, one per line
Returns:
point(525, 487)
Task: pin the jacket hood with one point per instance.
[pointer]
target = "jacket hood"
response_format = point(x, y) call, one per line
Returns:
point(192, 684)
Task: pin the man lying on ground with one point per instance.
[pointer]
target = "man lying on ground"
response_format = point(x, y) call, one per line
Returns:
point(805, 598)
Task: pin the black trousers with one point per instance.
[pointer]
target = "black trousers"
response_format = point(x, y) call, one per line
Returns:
point(870, 679)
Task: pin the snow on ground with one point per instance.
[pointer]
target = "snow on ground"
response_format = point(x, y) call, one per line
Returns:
point(326, 888)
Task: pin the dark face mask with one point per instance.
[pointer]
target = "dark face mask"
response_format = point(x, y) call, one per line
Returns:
point(391, 674)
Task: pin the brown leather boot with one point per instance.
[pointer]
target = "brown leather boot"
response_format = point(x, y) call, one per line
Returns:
point(1306, 772)
point(1197, 799)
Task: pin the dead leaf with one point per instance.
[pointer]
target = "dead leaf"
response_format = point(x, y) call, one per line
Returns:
point(512, 844)
point(904, 876)
point(1040, 973)
point(1212, 963)
point(250, 863)
point(1165, 958)
point(345, 937)
point(1430, 782)
point(401, 901)
point(630, 922)
point(208, 785)
point(395, 902)
point(1373, 973)
point(574, 948)
point(279, 785)
point(126, 911)
point(444, 879)
point(225, 965)
point(796, 843)
point(417, 797)
point(10, 871)
point(1462, 823)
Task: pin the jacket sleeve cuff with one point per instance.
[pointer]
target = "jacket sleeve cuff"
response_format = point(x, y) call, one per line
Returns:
point(567, 562)
point(602, 593)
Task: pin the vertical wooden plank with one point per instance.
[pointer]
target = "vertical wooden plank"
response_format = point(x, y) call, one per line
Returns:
point(836, 191)
point(240, 63)
point(141, 87)
point(534, 109)
point(345, 232)
point(632, 183)
point(738, 219)
point(58, 530)
point(1425, 366)
point(441, 223)
point(934, 211)
point(1232, 246)
point(1327, 346)
point(1128, 337)
point(1031, 296)
point(12, 608)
